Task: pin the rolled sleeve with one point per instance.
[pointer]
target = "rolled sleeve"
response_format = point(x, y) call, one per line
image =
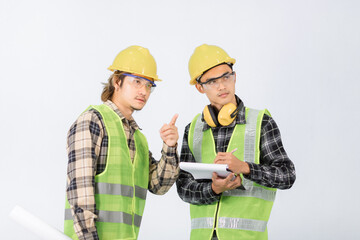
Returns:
point(163, 173)
point(83, 146)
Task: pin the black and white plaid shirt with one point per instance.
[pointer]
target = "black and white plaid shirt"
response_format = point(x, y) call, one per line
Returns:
point(275, 170)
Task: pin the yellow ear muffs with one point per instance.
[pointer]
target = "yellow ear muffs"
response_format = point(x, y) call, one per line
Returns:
point(225, 115)
point(210, 117)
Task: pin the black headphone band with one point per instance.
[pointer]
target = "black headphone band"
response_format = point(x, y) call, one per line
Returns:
point(213, 112)
point(237, 110)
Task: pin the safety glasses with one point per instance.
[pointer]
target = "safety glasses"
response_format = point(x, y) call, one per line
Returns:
point(214, 83)
point(138, 82)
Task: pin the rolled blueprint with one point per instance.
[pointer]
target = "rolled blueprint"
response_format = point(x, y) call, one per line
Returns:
point(36, 225)
point(205, 170)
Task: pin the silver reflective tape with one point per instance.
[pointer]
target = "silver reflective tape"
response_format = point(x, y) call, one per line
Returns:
point(114, 217)
point(197, 139)
point(252, 191)
point(242, 224)
point(68, 215)
point(250, 135)
point(247, 184)
point(140, 192)
point(114, 189)
point(110, 216)
point(137, 220)
point(197, 223)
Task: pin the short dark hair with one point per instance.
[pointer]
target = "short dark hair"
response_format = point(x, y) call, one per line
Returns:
point(229, 64)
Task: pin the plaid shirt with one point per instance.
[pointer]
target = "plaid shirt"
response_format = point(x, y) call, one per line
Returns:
point(275, 170)
point(87, 147)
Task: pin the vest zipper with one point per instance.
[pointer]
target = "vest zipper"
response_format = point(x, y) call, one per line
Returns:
point(215, 222)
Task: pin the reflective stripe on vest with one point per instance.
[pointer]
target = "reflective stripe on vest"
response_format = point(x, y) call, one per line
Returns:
point(249, 142)
point(242, 224)
point(119, 189)
point(255, 201)
point(252, 191)
point(197, 223)
point(249, 156)
point(112, 217)
point(230, 223)
point(197, 140)
point(250, 135)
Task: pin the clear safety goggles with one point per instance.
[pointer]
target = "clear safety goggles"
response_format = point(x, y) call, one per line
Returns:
point(214, 83)
point(138, 82)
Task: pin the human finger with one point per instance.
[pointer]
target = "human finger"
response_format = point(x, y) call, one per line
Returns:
point(214, 176)
point(169, 131)
point(221, 154)
point(168, 128)
point(234, 175)
point(235, 183)
point(228, 178)
point(173, 120)
point(164, 127)
point(169, 137)
point(217, 159)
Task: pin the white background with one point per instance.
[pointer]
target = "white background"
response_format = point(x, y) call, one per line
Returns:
point(299, 59)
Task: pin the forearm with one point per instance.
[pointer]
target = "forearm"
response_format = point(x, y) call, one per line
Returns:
point(163, 173)
point(195, 192)
point(80, 195)
point(189, 189)
point(280, 174)
point(275, 170)
point(83, 146)
point(84, 218)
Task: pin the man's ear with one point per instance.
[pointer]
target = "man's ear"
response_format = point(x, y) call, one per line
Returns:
point(199, 88)
point(115, 81)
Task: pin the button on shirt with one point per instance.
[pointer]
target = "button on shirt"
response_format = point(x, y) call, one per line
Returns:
point(275, 170)
point(87, 151)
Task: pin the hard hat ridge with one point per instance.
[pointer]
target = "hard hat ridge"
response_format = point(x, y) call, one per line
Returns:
point(136, 59)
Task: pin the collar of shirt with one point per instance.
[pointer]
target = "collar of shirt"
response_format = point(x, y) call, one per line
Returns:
point(130, 122)
point(240, 118)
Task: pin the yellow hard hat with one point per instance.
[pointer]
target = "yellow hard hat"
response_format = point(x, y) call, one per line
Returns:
point(206, 57)
point(136, 59)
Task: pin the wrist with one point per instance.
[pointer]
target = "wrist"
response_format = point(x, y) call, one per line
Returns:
point(216, 190)
point(171, 145)
point(245, 168)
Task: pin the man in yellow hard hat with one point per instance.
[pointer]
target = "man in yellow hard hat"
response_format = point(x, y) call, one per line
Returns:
point(110, 167)
point(247, 140)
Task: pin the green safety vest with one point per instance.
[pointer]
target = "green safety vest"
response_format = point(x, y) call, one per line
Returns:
point(120, 191)
point(240, 214)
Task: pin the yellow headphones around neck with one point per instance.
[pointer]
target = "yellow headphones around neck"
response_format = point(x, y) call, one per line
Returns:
point(224, 117)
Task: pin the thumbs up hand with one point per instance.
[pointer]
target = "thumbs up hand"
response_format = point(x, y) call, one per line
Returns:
point(169, 132)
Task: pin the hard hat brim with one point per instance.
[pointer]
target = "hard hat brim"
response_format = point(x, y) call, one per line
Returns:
point(155, 78)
